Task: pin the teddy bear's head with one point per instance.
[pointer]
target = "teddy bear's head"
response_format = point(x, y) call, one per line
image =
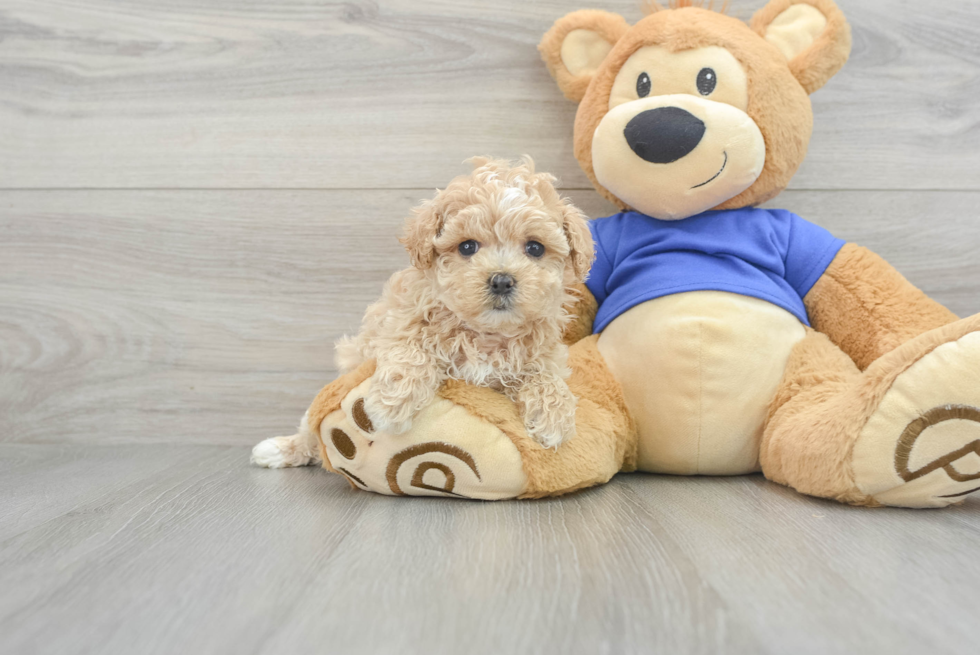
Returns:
point(689, 109)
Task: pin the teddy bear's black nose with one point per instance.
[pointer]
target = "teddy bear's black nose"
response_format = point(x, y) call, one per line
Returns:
point(664, 135)
point(501, 283)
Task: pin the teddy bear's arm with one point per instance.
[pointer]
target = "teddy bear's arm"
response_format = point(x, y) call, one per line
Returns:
point(583, 313)
point(867, 308)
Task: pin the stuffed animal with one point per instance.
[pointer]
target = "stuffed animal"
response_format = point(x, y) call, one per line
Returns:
point(714, 337)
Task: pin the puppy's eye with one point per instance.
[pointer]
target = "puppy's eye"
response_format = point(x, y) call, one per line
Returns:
point(468, 248)
point(707, 80)
point(534, 249)
point(643, 85)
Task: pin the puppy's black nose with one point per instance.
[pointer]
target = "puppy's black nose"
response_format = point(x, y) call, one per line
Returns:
point(664, 135)
point(501, 283)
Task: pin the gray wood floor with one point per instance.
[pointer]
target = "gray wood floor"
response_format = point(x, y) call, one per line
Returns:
point(170, 548)
point(198, 197)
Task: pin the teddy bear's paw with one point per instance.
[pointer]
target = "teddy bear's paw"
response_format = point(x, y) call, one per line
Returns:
point(446, 452)
point(921, 447)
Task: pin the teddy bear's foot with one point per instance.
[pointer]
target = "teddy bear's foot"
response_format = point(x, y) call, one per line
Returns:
point(921, 446)
point(447, 452)
point(470, 442)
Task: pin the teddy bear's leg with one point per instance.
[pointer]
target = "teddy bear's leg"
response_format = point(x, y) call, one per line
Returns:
point(903, 432)
point(471, 441)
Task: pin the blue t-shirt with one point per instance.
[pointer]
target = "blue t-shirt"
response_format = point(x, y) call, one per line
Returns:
point(771, 254)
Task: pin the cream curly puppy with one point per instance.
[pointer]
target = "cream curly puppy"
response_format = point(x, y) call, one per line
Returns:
point(495, 259)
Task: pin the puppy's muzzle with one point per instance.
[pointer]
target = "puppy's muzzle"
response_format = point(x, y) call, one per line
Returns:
point(501, 285)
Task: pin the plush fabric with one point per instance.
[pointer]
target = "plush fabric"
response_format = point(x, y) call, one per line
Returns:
point(456, 453)
point(876, 403)
point(471, 441)
point(698, 371)
point(777, 102)
point(605, 441)
point(330, 397)
point(769, 254)
point(867, 308)
point(604, 25)
point(825, 403)
point(726, 159)
point(931, 407)
point(827, 54)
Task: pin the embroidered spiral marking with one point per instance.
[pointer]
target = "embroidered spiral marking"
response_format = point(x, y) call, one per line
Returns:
point(914, 430)
point(396, 462)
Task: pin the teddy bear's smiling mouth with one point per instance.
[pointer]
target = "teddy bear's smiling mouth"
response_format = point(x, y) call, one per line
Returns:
point(715, 176)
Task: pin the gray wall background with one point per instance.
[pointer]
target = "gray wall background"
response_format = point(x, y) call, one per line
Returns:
point(196, 199)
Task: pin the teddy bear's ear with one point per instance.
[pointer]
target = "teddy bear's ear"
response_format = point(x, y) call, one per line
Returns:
point(577, 44)
point(813, 35)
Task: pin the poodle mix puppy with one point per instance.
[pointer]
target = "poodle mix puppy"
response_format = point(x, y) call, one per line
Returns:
point(496, 257)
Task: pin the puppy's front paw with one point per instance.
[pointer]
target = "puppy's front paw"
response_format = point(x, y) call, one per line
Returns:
point(549, 434)
point(388, 418)
point(397, 394)
point(549, 412)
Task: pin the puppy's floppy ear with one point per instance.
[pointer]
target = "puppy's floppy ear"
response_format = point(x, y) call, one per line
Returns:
point(421, 229)
point(579, 240)
point(813, 35)
point(576, 45)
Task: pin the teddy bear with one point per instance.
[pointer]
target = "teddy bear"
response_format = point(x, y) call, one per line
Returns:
point(713, 337)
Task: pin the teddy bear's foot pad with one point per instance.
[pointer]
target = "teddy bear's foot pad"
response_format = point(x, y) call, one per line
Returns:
point(448, 452)
point(921, 447)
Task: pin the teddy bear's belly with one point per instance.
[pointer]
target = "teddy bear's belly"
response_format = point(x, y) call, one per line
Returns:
point(698, 370)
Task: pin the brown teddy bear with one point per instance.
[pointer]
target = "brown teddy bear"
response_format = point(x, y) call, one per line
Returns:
point(714, 337)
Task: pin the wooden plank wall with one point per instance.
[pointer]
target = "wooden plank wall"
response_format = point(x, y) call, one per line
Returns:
point(196, 198)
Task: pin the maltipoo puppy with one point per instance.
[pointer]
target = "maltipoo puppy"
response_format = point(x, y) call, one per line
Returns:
point(495, 259)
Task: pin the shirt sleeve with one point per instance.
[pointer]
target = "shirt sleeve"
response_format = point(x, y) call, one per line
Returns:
point(810, 251)
point(602, 265)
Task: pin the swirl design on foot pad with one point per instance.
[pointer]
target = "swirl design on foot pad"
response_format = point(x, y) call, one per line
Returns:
point(403, 456)
point(914, 430)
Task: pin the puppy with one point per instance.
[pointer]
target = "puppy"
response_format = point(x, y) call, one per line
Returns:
point(495, 259)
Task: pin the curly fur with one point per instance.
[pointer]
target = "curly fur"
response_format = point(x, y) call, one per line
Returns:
point(437, 320)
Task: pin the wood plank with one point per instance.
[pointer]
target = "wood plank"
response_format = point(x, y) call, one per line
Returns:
point(876, 581)
point(142, 564)
point(40, 483)
point(214, 556)
point(314, 94)
point(209, 317)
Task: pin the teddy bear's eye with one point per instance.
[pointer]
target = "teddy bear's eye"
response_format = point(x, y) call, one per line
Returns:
point(468, 248)
point(534, 249)
point(707, 80)
point(643, 85)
